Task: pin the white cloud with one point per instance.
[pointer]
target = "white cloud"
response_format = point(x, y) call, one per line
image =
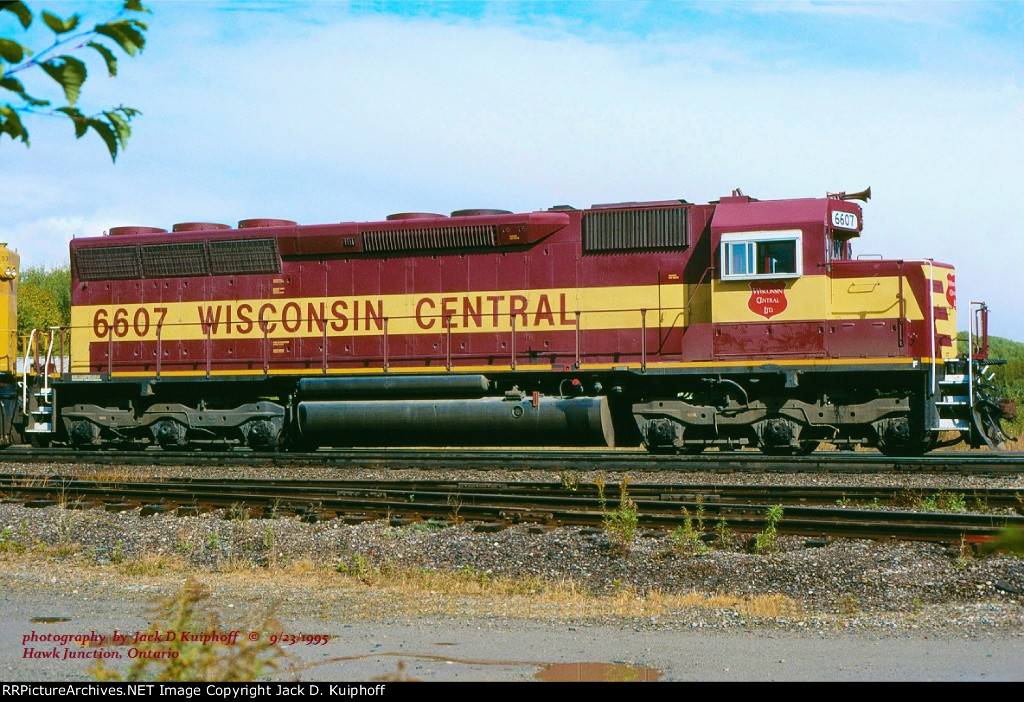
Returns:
point(359, 117)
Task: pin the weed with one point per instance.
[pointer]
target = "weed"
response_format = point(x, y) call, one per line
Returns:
point(455, 502)
point(9, 544)
point(357, 564)
point(964, 553)
point(766, 541)
point(65, 516)
point(473, 575)
point(688, 536)
point(726, 536)
point(621, 523)
point(418, 528)
point(228, 659)
point(570, 480)
point(270, 544)
point(944, 502)
point(155, 564)
point(849, 605)
point(237, 512)
point(843, 501)
point(212, 540)
point(117, 553)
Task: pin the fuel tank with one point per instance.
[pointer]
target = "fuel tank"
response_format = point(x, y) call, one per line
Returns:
point(485, 421)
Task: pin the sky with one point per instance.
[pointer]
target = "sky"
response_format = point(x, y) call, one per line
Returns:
point(328, 111)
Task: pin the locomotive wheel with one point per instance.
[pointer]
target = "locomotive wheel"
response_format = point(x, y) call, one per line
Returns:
point(807, 448)
point(907, 450)
point(39, 440)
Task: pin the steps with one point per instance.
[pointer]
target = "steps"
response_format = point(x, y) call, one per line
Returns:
point(954, 403)
point(41, 415)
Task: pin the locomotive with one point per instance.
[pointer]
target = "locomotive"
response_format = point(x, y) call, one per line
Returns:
point(678, 326)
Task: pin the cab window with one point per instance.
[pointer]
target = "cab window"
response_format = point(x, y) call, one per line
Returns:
point(841, 249)
point(753, 255)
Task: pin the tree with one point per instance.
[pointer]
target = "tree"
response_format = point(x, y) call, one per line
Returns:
point(44, 299)
point(124, 30)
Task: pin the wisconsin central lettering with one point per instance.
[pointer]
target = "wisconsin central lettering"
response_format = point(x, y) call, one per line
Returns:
point(292, 317)
point(487, 312)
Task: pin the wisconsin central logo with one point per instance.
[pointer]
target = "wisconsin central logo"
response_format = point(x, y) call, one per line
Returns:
point(768, 298)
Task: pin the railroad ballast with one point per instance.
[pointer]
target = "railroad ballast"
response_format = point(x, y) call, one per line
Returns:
point(737, 323)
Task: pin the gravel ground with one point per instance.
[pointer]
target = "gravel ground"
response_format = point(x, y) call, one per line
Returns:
point(840, 585)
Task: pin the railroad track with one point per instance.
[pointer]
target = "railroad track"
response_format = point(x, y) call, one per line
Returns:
point(950, 462)
point(811, 511)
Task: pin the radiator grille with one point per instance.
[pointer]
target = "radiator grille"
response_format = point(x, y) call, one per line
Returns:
point(660, 228)
point(108, 263)
point(175, 260)
point(454, 237)
point(244, 256)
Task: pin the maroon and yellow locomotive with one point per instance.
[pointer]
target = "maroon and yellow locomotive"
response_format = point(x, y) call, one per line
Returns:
point(682, 326)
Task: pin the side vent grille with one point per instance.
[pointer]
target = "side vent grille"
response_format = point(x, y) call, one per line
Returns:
point(630, 230)
point(108, 263)
point(181, 260)
point(455, 237)
point(174, 260)
point(245, 256)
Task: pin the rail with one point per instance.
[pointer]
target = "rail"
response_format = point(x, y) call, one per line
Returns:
point(661, 507)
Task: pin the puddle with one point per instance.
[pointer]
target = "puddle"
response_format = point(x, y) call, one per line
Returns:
point(597, 672)
point(49, 620)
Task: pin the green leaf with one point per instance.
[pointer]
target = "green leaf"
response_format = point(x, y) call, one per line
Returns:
point(10, 124)
point(11, 51)
point(15, 86)
point(107, 55)
point(19, 9)
point(121, 129)
point(58, 25)
point(126, 33)
point(81, 123)
point(135, 6)
point(69, 72)
point(107, 134)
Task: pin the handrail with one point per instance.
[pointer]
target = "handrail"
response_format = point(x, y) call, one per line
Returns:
point(979, 327)
point(689, 301)
point(24, 374)
point(264, 338)
point(46, 361)
point(930, 300)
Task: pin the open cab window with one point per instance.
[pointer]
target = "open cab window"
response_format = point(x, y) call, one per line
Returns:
point(754, 255)
point(841, 247)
